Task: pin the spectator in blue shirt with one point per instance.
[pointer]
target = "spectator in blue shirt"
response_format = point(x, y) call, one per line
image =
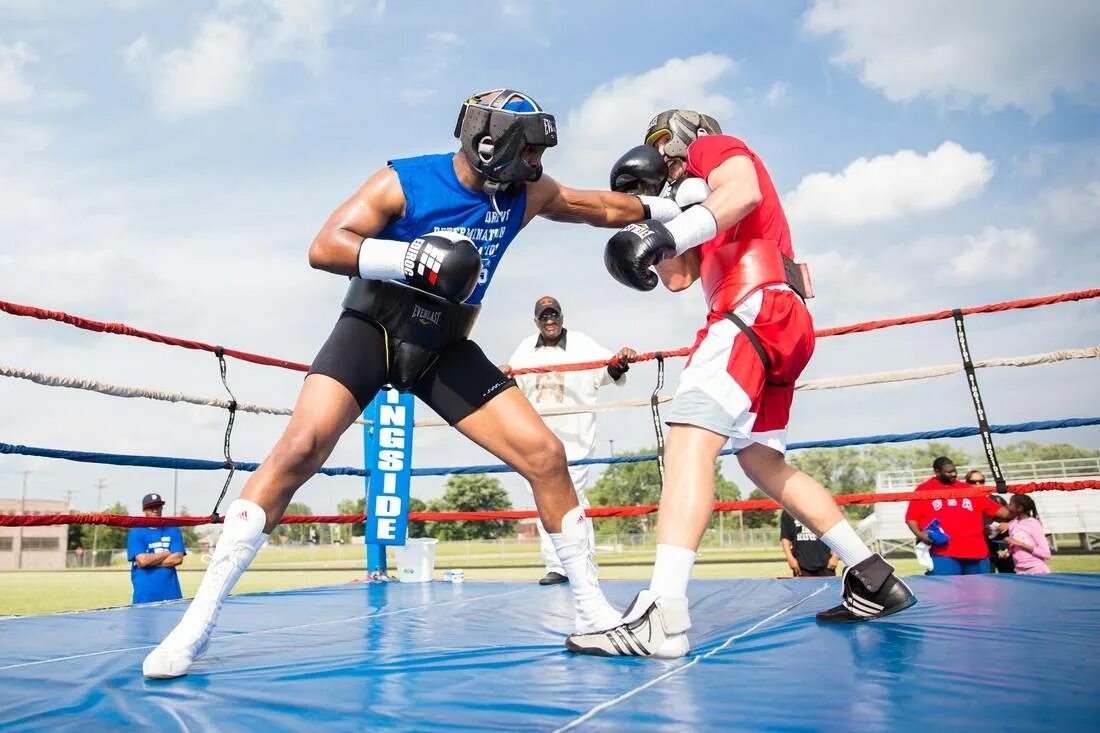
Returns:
point(155, 552)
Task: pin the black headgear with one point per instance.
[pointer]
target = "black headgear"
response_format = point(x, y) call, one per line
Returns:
point(496, 128)
point(684, 125)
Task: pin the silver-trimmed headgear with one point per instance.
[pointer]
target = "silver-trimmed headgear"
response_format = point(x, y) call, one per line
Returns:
point(684, 125)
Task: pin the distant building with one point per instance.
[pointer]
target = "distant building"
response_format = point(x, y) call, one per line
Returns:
point(527, 529)
point(33, 548)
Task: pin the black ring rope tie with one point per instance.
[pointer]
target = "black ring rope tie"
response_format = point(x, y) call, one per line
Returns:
point(979, 406)
point(219, 351)
point(660, 357)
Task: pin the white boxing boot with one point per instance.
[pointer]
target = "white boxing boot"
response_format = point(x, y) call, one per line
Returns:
point(241, 538)
point(653, 626)
point(578, 557)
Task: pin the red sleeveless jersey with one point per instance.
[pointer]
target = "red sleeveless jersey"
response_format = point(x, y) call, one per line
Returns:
point(767, 220)
point(745, 257)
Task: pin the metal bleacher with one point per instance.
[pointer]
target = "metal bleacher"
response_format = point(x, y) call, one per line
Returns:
point(1062, 512)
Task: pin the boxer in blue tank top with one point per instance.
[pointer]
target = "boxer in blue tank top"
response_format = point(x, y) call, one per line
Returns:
point(412, 223)
point(435, 200)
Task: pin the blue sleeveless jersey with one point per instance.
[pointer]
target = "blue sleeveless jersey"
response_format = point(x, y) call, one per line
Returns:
point(435, 200)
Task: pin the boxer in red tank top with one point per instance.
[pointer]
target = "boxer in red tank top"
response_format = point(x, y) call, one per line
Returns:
point(732, 235)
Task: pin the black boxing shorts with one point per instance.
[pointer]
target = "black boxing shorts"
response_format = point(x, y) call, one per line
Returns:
point(457, 383)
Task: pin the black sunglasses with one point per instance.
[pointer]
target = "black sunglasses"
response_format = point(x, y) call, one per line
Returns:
point(975, 481)
point(547, 316)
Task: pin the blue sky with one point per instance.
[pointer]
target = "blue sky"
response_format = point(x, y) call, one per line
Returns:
point(166, 165)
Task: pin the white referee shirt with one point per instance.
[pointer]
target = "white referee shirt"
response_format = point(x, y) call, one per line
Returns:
point(577, 432)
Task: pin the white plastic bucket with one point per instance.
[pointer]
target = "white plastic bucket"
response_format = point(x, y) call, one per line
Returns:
point(416, 560)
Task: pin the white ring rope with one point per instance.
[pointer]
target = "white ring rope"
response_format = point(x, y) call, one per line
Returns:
point(115, 390)
point(904, 375)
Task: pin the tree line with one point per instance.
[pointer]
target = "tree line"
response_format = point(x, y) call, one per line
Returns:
point(842, 471)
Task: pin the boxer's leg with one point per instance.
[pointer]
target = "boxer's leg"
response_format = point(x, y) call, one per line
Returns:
point(471, 393)
point(554, 573)
point(712, 403)
point(580, 476)
point(347, 372)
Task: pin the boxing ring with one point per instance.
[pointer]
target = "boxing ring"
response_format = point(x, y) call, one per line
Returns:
point(1010, 652)
point(480, 656)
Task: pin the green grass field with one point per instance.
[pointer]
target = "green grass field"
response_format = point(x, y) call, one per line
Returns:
point(32, 592)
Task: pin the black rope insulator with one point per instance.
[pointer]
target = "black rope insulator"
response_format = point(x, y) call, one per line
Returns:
point(657, 428)
point(979, 405)
point(230, 465)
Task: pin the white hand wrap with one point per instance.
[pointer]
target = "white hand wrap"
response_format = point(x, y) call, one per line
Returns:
point(660, 208)
point(382, 259)
point(692, 228)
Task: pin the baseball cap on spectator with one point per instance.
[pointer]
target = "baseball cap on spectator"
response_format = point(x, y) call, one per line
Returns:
point(151, 500)
point(546, 303)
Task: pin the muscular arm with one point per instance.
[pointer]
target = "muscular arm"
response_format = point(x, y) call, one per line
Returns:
point(378, 201)
point(678, 273)
point(546, 197)
point(735, 191)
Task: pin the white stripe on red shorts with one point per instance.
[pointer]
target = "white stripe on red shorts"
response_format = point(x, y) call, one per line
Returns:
point(724, 388)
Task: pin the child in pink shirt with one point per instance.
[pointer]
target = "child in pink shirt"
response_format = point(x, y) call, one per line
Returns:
point(1026, 540)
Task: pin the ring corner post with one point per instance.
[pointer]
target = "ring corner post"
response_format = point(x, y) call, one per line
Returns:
point(388, 459)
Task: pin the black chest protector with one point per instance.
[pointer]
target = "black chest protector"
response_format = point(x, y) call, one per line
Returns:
point(417, 325)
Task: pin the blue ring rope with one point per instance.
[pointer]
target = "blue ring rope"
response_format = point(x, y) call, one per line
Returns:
point(195, 464)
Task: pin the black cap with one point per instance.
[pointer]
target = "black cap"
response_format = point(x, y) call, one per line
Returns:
point(546, 303)
point(152, 500)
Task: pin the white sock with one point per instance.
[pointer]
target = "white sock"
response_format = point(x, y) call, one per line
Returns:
point(672, 571)
point(847, 545)
point(242, 537)
point(577, 556)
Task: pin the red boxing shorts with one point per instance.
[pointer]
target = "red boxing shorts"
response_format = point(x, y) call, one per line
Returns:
point(725, 388)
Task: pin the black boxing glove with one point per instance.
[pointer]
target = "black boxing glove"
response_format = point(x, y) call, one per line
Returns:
point(634, 249)
point(443, 263)
point(640, 171)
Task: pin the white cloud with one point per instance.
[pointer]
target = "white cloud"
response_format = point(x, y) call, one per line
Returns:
point(613, 118)
point(446, 37)
point(516, 8)
point(994, 254)
point(1000, 53)
point(22, 138)
point(14, 86)
point(297, 30)
point(776, 93)
point(233, 42)
point(215, 71)
point(1032, 162)
point(1072, 209)
point(880, 287)
point(889, 187)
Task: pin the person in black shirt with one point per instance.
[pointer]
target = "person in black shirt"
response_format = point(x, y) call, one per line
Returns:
point(1000, 560)
point(806, 554)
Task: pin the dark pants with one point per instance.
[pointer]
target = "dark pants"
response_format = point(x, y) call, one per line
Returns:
point(999, 564)
point(819, 573)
